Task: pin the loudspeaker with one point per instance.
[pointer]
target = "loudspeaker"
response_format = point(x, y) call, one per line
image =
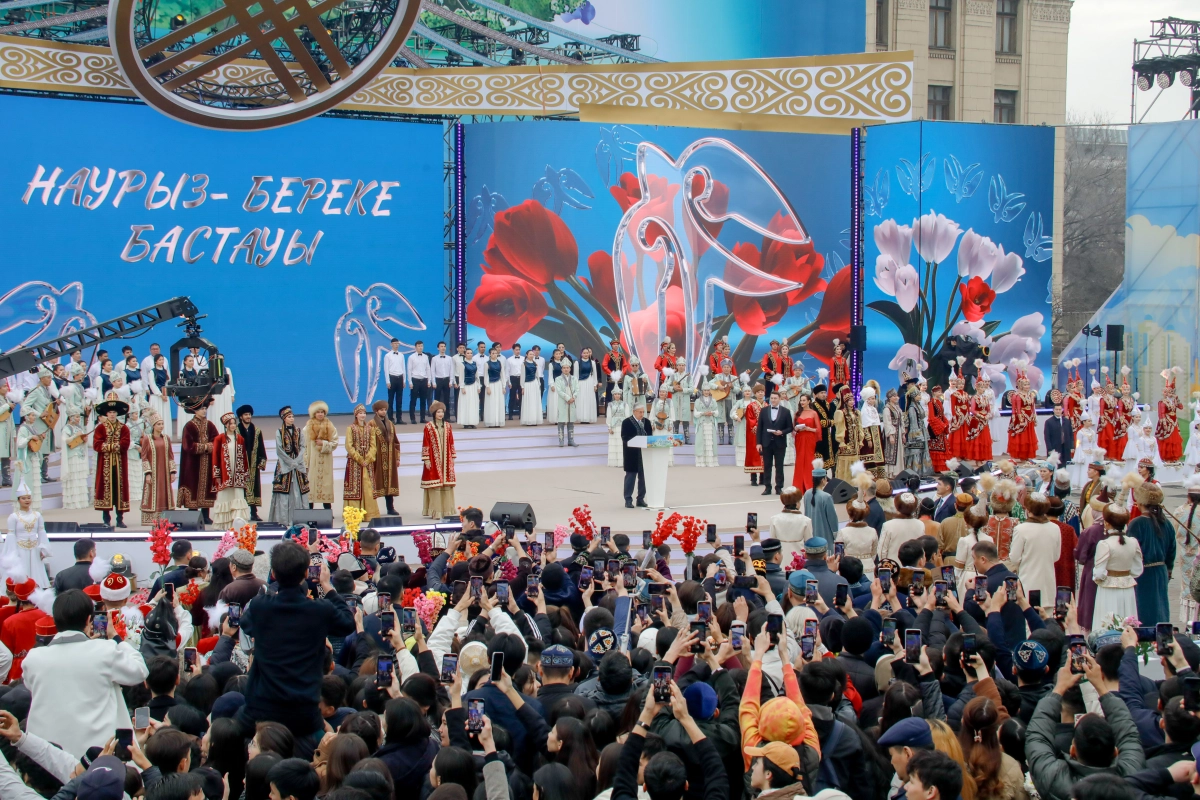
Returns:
point(185, 520)
point(389, 522)
point(963, 470)
point(95, 527)
point(62, 527)
point(840, 491)
point(313, 517)
point(519, 515)
point(858, 338)
point(269, 526)
point(1114, 341)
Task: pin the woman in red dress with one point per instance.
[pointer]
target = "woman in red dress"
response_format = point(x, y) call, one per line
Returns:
point(977, 433)
point(754, 461)
point(841, 367)
point(1170, 443)
point(960, 412)
point(1022, 425)
point(1106, 426)
point(808, 431)
point(437, 458)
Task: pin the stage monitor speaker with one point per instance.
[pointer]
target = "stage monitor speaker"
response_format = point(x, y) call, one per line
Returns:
point(1114, 341)
point(901, 480)
point(519, 515)
point(388, 522)
point(840, 491)
point(185, 520)
point(62, 527)
point(313, 517)
point(95, 527)
point(964, 471)
point(858, 338)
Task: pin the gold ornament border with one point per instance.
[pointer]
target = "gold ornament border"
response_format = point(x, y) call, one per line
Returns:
point(825, 93)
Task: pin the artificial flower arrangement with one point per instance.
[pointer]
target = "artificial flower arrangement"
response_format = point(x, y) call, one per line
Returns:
point(160, 544)
point(327, 547)
point(189, 594)
point(798, 561)
point(472, 550)
point(244, 537)
point(352, 520)
point(1115, 623)
point(561, 534)
point(429, 606)
point(686, 529)
point(424, 543)
point(581, 522)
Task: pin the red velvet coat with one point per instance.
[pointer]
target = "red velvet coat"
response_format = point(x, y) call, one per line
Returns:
point(195, 464)
point(221, 477)
point(111, 443)
point(18, 636)
point(437, 457)
point(754, 459)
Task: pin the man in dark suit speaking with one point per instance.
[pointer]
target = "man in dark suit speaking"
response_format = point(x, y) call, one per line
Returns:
point(637, 425)
point(774, 426)
point(1059, 436)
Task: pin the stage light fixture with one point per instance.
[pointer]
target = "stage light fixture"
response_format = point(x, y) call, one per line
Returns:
point(1187, 77)
point(1165, 79)
point(1144, 81)
point(178, 21)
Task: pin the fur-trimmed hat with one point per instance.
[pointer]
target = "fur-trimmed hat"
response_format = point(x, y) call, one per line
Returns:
point(115, 587)
point(1148, 494)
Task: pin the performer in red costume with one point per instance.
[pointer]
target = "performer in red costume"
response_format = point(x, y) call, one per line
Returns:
point(772, 362)
point(613, 364)
point(1170, 443)
point(938, 426)
point(1022, 425)
point(1126, 405)
point(978, 433)
point(111, 443)
point(1106, 427)
point(720, 353)
point(1074, 402)
point(665, 360)
point(754, 459)
point(18, 632)
point(959, 413)
point(840, 366)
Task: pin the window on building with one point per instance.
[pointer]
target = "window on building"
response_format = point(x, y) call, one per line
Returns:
point(1005, 106)
point(941, 35)
point(881, 23)
point(1006, 26)
point(939, 102)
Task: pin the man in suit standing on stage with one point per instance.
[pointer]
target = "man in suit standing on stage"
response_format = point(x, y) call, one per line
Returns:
point(637, 425)
point(774, 426)
point(1059, 436)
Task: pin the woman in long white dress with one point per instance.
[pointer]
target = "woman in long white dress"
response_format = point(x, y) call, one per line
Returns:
point(587, 370)
point(792, 385)
point(860, 538)
point(1191, 456)
point(555, 367)
point(566, 397)
point(74, 460)
point(160, 402)
point(495, 387)
point(1187, 545)
point(964, 562)
point(614, 414)
point(531, 392)
point(468, 393)
point(27, 546)
point(1085, 451)
point(681, 388)
point(1117, 567)
point(706, 413)
point(137, 428)
point(635, 384)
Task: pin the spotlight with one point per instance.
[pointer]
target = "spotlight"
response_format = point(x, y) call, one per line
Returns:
point(1144, 81)
point(518, 58)
point(178, 21)
point(1165, 79)
point(1187, 77)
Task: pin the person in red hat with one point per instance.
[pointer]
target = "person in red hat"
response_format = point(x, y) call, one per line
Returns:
point(43, 632)
point(19, 632)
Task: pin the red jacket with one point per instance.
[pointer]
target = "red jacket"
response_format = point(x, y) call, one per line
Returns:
point(17, 634)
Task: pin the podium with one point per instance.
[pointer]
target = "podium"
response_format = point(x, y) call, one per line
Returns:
point(656, 457)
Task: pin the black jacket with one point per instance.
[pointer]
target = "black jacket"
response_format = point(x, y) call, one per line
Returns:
point(549, 695)
point(74, 577)
point(783, 424)
point(1059, 437)
point(875, 515)
point(625, 785)
point(409, 763)
point(289, 632)
point(633, 455)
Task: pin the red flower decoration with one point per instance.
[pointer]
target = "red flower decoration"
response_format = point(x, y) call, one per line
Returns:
point(977, 299)
point(660, 204)
point(160, 543)
point(644, 323)
point(799, 263)
point(798, 561)
point(602, 283)
point(835, 305)
point(189, 594)
point(626, 191)
point(506, 307)
point(532, 242)
point(409, 598)
point(581, 522)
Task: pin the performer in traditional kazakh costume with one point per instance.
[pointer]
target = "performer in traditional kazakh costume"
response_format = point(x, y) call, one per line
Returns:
point(958, 414)
point(320, 442)
point(195, 459)
point(826, 407)
point(615, 412)
point(1106, 425)
point(587, 372)
point(358, 490)
point(565, 397)
point(870, 450)
point(754, 459)
point(28, 464)
point(893, 429)
point(160, 402)
point(916, 434)
point(718, 356)
point(706, 414)
point(1022, 425)
point(531, 392)
point(1126, 409)
point(10, 398)
point(230, 474)
point(555, 366)
point(158, 470)
point(613, 364)
point(1074, 403)
point(289, 489)
point(977, 432)
point(110, 440)
point(385, 471)
point(469, 380)
point(660, 416)
point(27, 547)
point(681, 390)
point(1086, 451)
point(73, 461)
point(738, 420)
point(847, 432)
point(495, 389)
point(256, 458)
point(938, 426)
point(437, 459)
point(42, 401)
point(136, 423)
point(840, 366)
point(772, 363)
point(665, 360)
point(1170, 443)
point(808, 433)
point(725, 386)
point(635, 384)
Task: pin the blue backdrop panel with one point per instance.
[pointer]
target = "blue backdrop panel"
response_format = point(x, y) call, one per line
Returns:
point(958, 221)
point(303, 281)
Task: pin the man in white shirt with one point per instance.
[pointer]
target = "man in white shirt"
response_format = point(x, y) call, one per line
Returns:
point(200, 359)
point(393, 370)
point(541, 362)
point(418, 382)
point(480, 358)
point(147, 365)
point(442, 368)
point(515, 369)
point(93, 372)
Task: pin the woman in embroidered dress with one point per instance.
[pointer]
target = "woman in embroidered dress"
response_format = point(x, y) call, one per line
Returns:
point(977, 438)
point(586, 369)
point(681, 399)
point(892, 426)
point(158, 470)
point(289, 489)
point(738, 420)
point(320, 441)
point(495, 388)
point(706, 413)
point(437, 458)
point(357, 490)
point(160, 403)
point(468, 392)
point(229, 475)
point(615, 413)
point(137, 428)
point(555, 368)
point(754, 459)
point(74, 460)
point(27, 546)
point(1118, 567)
point(976, 519)
point(870, 450)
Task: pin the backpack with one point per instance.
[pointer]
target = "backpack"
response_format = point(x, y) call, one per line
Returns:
point(827, 777)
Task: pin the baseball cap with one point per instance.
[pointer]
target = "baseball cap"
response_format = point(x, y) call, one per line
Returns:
point(104, 780)
point(911, 732)
point(781, 755)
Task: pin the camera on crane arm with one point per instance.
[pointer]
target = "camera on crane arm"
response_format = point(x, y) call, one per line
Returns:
point(207, 382)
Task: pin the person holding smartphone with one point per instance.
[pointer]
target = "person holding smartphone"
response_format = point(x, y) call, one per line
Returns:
point(816, 551)
point(790, 526)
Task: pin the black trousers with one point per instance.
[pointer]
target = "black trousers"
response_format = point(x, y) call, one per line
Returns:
point(420, 393)
point(775, 457)
point(608, 387)
point(395, 397)
point(514, 396)
point(640, 477)
point(441, 392)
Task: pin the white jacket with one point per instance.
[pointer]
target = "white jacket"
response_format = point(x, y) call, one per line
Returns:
point(76, 686)
point(1036, 547)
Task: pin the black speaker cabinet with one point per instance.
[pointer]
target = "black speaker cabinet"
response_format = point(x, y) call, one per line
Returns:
point(185, 520)
point(1114, 341)
point(840, 491)
point(520, 515)
point(313, 517)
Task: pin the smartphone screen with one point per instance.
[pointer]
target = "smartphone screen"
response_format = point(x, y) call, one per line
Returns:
point(1035, 598)
point(811, 592)
point(885, 580)
point(939, 593)
point(124, 741)
point(704, 611)
point(476, 586)
point(385, 602)
point(739, 545)
point(774, 626)
point(948, 575)
point(100, 624)
point(474, 716)
point(605, 534)
point(918, 583)
point(383, 672)
point(662, 684)
point(190, 656)
point(840, 594)
point(889, 631)
point(1062, 599)
point(839, 549)
point(647, 539)
point(532, 586)
point(751, 521)
point(1010, 589)
point(737, 633)
point(314, 572)
point(408, 620)
point(497, 667)
point(614, 568)
point(1164, 637)
point(810, 627)
point(1078, 647)
point(968, 646)
point(721, 579)
point(235, 614)
point(656, 602)
point(701, 631)
point(386, 623)
point(1191, 694)
point(169, 592)
point(912, 645)
point(980, 589)
point(535, 551)
point(629, 573)
point(807, 646)
point(449, 668)
point(711, 533)
point(643, 613)
point(585, 578)
point(656, 588)
point(745, 582)
point(502, 592)
point(141, 718)
point(598, 570)
point(548, 541)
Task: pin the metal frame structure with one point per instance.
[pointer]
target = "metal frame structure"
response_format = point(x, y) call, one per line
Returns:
point(1172, 51)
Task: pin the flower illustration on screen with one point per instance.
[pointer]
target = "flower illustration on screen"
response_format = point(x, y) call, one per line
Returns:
point(374, 316)
point(35, 311)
